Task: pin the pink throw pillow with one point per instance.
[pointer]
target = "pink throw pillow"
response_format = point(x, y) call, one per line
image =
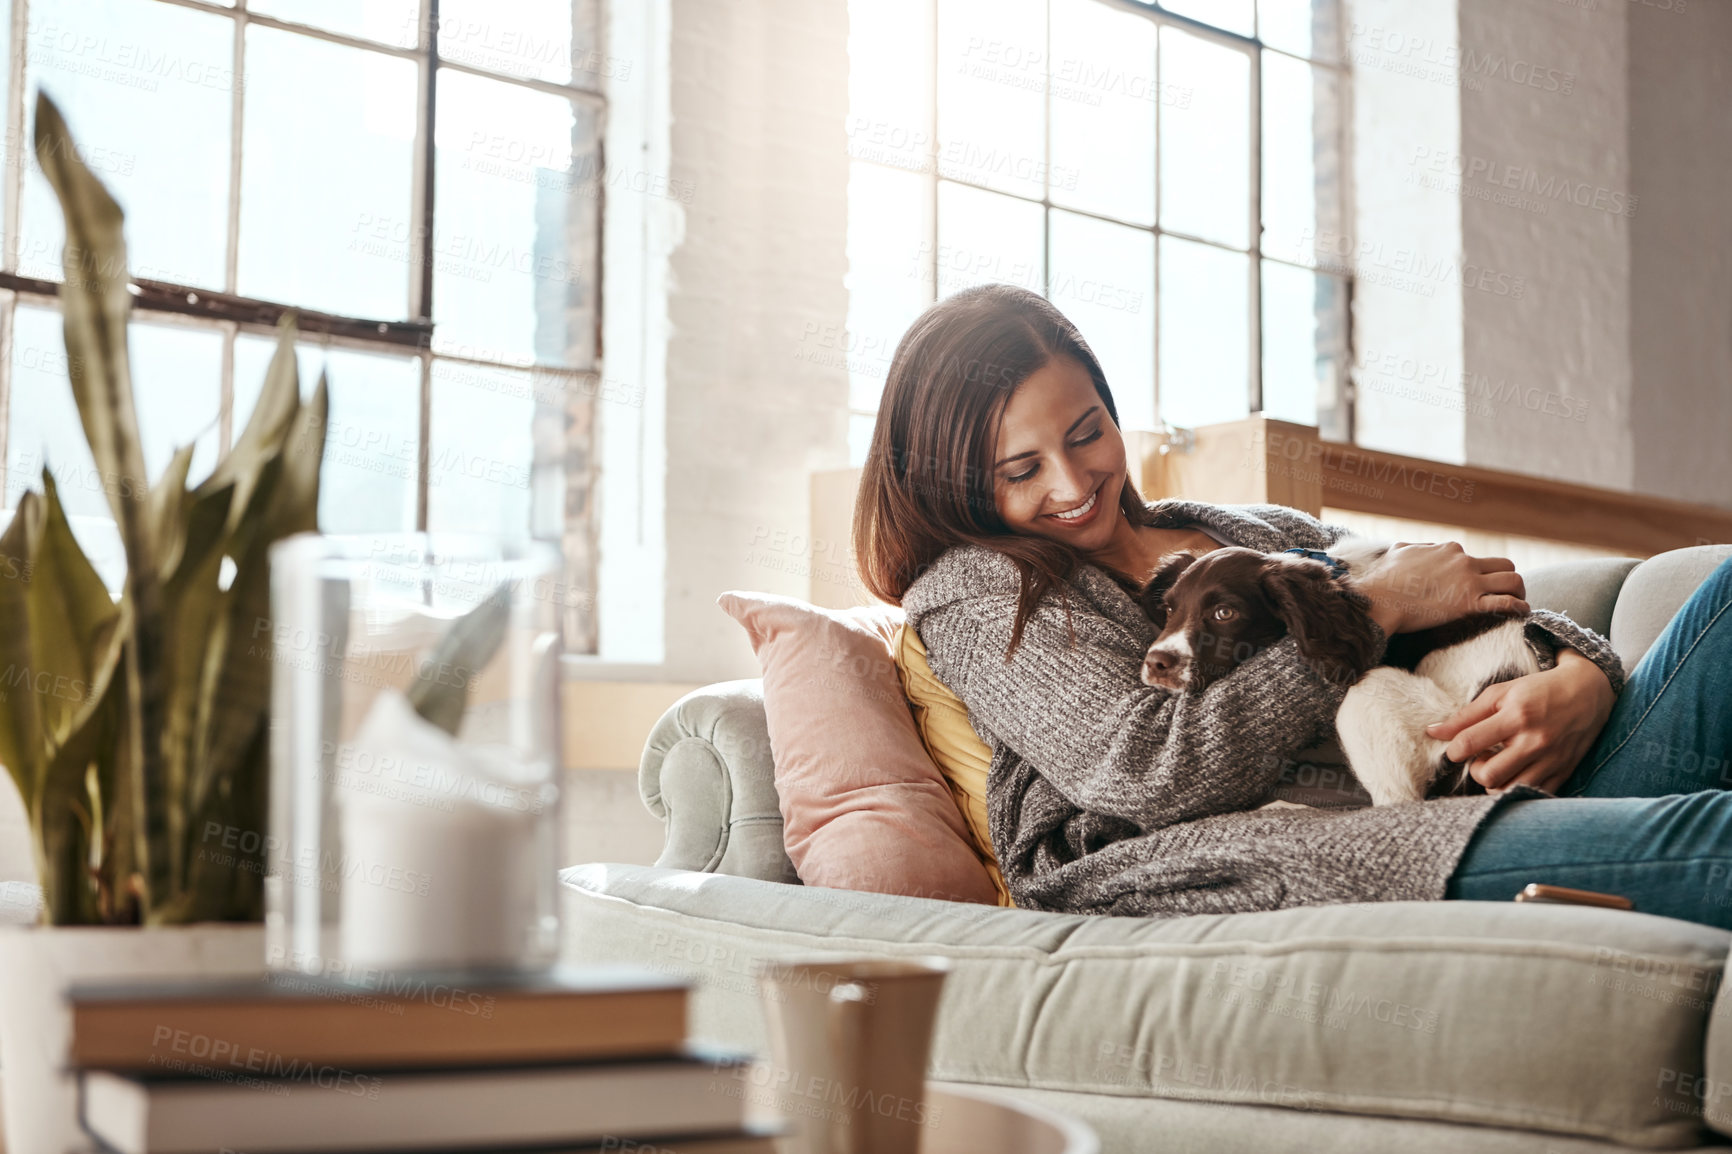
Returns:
point(863, 806)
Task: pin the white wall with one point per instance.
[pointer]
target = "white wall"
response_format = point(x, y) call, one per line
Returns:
point(759, 99)
point(1583, 182)
point(642, 223)
point(1407, 310)
point(1680, 159)
point(1546, 126)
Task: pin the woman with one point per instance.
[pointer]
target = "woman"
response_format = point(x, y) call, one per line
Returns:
point(995, 507)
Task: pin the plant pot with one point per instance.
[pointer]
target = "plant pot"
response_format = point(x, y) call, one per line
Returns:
point(38, 963)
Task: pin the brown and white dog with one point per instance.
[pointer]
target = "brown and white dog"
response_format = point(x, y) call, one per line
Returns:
point(1217, 611)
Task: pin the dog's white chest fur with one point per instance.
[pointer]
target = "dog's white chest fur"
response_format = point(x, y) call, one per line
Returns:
point(1382, 720)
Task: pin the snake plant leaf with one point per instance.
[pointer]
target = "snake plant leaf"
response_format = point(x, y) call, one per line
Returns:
point(91, 607)
point(203, 542)
point(440, 692)
point(165, 509)
point(116, 902)
point(95, 304)
point(285, 501)
point(64, 843)
point(20, 721)
point(93, 749)
point(235, 667)
point(192, 601)
point(162, 725)
point(262, 437)
point(70, 612)
point(222, 883)
point(303, 454)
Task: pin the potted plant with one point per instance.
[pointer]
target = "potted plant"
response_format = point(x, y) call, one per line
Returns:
point(137, 733)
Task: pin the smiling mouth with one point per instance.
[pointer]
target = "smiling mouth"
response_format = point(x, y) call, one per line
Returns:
point(1081, 511)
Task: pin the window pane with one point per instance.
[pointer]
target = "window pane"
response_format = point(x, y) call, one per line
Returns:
point(1308, 28)
point(146, 89)
point(984, 237)
point(387, 21)
point(890, 83)
point(367, 483)
point(43, 426)
point(887, 280)
point(1205, 333)
point(325, 190)
point(177, 375)
point(1304, 347)
point(991, 93)
point(1205, 139)
point(1233, 15)
point(1301, 157)
point(1103, 110)
point(514, 244)
point(1103, 279)
point(481, 451)
point(530, 38)
point(177, 387)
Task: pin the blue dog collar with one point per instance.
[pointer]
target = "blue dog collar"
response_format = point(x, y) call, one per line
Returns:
point(1337, 568)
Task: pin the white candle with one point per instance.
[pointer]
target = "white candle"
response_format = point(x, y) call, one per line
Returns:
point(439, 862)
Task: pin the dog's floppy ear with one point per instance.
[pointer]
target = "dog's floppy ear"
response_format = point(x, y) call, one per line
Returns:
point(1152, 599)
point(1327, 619)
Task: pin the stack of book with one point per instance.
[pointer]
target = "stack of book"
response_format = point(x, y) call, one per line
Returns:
point(580, 1060)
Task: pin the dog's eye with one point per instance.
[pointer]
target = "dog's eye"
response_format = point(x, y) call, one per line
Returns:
point(1222, 613)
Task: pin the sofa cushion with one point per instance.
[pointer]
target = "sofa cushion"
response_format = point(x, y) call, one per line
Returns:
point(955, 748)
point(1555, 1018)
point(863, 807)
point(1653, 593)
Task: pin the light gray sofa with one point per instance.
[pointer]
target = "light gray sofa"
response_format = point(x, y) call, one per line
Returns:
point(1448, 1027)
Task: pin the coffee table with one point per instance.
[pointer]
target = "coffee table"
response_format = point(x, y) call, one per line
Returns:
point(974, 1120)
point(968, 1120)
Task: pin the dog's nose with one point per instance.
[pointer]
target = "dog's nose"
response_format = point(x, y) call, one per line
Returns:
point(1161, 667)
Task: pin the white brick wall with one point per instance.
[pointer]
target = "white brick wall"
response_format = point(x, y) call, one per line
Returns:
point(1586, 160)
point(1680, 159)
point(1551, 114)
point(759, 97)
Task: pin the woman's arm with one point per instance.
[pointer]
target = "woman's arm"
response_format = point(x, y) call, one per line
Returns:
point(1081, 717)
point(1546, 722)
point(1563, 635)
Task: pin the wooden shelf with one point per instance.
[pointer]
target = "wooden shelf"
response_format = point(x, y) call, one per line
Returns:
point(1259, 459)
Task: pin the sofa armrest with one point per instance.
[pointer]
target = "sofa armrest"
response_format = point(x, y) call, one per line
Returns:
point(1585, 591)
point(706, 771)
point(1654, 592)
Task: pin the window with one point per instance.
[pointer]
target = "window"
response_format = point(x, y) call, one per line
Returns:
point(426, 197)
point(1160, 172)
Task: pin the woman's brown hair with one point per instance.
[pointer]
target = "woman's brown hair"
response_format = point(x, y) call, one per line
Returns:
point(928, 480)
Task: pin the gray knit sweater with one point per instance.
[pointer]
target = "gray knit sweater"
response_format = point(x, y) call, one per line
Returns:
point(1109, 796)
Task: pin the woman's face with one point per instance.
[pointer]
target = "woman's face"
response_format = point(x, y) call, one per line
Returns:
point(1059, 464)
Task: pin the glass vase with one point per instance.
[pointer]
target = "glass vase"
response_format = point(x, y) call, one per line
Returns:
point(414, 755)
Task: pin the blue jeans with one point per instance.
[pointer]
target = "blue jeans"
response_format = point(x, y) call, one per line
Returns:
point(1648, 812)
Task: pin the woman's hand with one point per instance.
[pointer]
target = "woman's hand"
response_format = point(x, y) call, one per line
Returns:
point(1545, 722)
point(1414, 587)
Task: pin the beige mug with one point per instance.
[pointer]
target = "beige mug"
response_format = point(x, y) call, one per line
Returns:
point(849, 1041)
